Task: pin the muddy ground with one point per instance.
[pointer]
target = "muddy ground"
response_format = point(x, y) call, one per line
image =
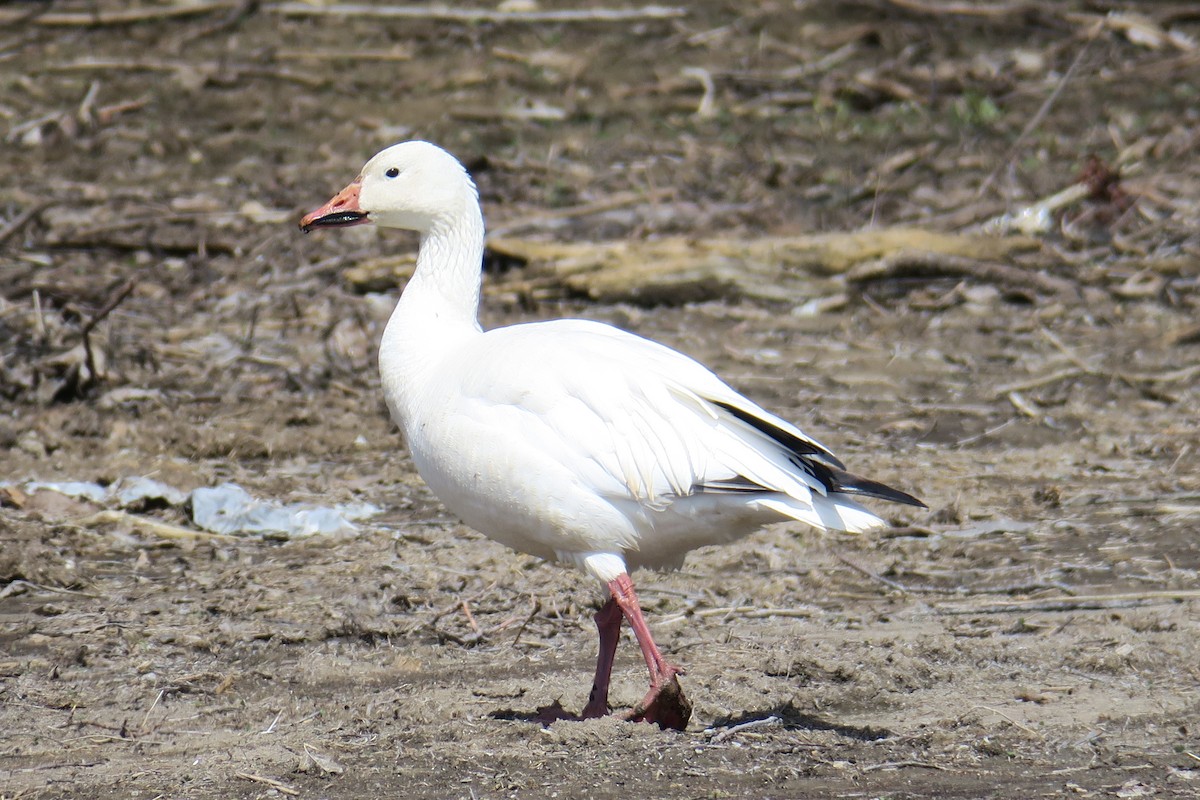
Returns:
point(1034, 634)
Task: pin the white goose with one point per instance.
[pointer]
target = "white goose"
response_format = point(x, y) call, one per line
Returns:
point(571, 440)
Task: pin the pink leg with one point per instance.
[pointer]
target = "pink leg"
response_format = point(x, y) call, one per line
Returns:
point(608, 623)
point(665, 703)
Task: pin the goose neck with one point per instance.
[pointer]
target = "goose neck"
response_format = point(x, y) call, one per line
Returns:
point(449, 264)
point(437, 310)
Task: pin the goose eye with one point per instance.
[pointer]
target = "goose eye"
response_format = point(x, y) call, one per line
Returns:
point(393, 172)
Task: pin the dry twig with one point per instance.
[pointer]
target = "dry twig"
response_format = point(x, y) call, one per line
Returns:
point(99, 316)
point(1041, 113)
point(1038, 382)
point(872, 575)
point(535, 608)
point(446, 13)
point(986, 10)
point(397, 53)
point(279, 786)
point(152, 526)
point(1131, 379)
point(708, 103)
point(241, 10)
point(746, 612)
point(935, 265)
point(21, 220)
point(158, 698)
point(609, 203)
point(470, 618)
point(1020, 725)
point(903, 765)
point(192, 71)
point(1036, 218)
point(1083, 601)
point(720, 736)
point(127, 16)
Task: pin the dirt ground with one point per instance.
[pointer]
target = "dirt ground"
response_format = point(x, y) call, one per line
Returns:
point(1034, 634)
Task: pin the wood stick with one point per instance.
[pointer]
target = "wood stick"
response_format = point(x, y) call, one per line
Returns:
point(986, 10)
point(872, 575)
point(274, 784)
point(93, 64)
point(1023, 727)
point(985, 434)
point(745, 726)
point(126, 16)
point(124, 235)
point(1180, 497)
point(470, 617)
point(610, 203)
point(113, 302)
point(1025, 406)
point(341, 54)
point(932, 265)
point(153, 706)
point(708, 103)
point(902, 765)
point(241, 10)
point(13, 586)
point(38, 315)
point(1035, 383)
point(535, 609)
point(21, 220)
point(1070, 603)
point(1040, 115)
point(445, 13)
point(205, 68)
point(1036, 217)
point(1129, 378)
point(163, 530)
point(748, 612)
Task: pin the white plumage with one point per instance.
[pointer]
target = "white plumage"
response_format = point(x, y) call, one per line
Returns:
point(573, 440)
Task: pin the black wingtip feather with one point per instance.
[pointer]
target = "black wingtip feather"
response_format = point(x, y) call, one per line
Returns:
point(800, 447)
point(847, 483)
point(819, 462)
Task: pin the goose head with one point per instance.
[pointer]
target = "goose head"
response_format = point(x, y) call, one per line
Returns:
point(415, 185)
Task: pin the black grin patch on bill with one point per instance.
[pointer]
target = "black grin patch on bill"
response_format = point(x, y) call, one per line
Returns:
point(335, 219)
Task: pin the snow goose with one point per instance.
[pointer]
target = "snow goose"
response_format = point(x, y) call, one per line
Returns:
point(572, 440)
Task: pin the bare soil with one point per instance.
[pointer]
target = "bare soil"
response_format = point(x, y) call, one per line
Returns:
point(1035, 634)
